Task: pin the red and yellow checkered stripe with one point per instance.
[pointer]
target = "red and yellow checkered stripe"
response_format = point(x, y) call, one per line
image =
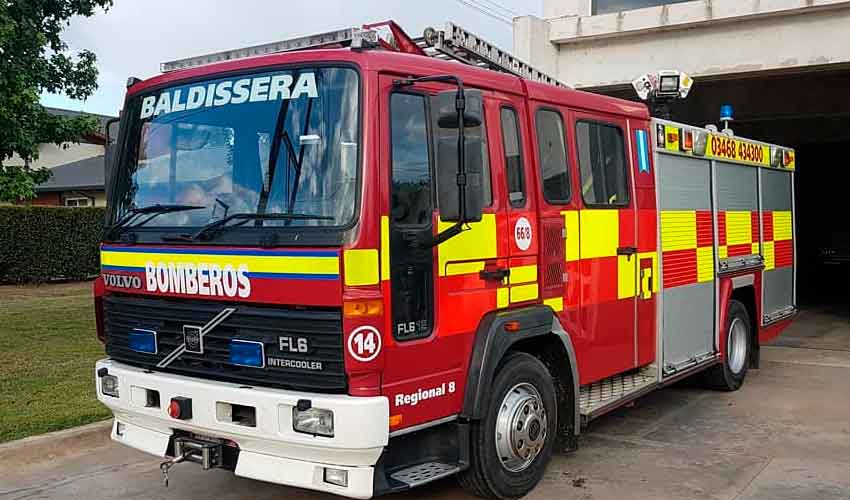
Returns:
point(778, 240)
point(687, 247)
point(738, 233)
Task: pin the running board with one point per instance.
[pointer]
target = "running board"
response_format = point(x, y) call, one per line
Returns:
point(424, 473)
point(600, 397)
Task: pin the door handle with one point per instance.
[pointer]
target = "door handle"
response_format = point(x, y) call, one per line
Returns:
point(497, 274)
point(627, 250)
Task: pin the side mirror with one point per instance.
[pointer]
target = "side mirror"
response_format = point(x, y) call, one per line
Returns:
point(446, 112)
point(448, 191)
point(110, 130)
point(448, 157)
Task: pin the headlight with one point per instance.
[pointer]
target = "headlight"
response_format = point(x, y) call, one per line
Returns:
point(314, 421)
point(109, 385)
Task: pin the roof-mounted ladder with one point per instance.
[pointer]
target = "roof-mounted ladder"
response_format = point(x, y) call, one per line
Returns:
point(452, 44)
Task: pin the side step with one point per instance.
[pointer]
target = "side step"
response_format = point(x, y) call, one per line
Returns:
point(600, 397)
point(424, 473)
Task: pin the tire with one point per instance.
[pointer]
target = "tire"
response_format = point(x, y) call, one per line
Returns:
point(730, 374)
point(522, 382)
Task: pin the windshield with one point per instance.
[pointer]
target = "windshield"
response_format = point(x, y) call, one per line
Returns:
point(280, 142)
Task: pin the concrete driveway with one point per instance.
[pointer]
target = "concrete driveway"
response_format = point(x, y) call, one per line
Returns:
point(784, 435)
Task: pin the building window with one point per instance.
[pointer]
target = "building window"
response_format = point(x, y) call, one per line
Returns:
point(77, 202)
point(608, 6)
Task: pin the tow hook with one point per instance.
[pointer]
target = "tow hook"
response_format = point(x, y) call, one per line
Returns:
point(206, 453)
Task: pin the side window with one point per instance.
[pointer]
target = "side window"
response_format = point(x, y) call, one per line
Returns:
point(411, 163)
point(513, 157)
point(602, 162)
point(553, 157)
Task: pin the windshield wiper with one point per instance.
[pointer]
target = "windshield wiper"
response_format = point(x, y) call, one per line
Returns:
point(208, 231)
point(152, 210)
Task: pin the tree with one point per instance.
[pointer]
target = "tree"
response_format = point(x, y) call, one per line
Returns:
point(34, 59)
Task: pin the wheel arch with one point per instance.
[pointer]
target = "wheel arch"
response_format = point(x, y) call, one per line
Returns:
point(541, 335)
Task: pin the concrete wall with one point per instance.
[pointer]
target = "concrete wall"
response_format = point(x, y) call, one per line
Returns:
point(704, 38)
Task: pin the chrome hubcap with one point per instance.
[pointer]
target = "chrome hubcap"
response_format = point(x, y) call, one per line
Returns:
point(736, 347)
point(521, 427)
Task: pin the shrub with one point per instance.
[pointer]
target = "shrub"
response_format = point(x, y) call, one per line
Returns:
point(39, 244)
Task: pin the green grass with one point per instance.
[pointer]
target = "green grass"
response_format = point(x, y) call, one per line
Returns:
point(48, 346)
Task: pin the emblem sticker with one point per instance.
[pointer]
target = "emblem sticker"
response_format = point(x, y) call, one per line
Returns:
point(522, 234)
point(364, 343)
point(193, 341)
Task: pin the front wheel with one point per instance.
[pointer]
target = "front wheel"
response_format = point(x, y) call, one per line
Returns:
point(511, 446)
point(730, 375)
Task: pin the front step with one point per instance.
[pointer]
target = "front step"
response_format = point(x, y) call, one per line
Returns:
point(600, 397)
point(424, 473)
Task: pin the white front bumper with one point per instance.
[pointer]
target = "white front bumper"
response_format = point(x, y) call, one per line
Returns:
point(271, 451)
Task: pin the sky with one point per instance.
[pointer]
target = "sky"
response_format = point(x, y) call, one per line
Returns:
point(135, 36)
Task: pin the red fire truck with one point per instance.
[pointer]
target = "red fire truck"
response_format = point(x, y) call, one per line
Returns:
point(350, 264)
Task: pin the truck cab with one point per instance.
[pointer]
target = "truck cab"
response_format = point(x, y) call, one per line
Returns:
point(360, 270)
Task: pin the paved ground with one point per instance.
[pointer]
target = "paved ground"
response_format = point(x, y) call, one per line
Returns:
point(785, 435)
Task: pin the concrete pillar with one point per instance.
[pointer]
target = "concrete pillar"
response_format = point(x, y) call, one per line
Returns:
point(532, 45)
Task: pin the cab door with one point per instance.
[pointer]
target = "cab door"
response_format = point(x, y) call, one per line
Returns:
point(607, 246)
point(521, 232)
point(437, 294)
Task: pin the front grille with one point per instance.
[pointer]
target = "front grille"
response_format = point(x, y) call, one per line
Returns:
point(321, 327)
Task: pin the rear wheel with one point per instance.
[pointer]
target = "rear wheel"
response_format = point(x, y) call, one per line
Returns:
point(511, 446)
point(730, 375)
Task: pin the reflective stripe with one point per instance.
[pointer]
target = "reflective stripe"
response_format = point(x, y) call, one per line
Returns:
point(572, 235)
point(600, 233)
point(678, 230)
point(361, 267)
point(556, 303)
point(523, 292)
point(705, 264)
point(502, 298)
point(523, 274)
point(782, 226)
point(284, 264)
point(385, 248)
point(626, 276)
point(478, 243)
point(738, 228)
point(769, 255)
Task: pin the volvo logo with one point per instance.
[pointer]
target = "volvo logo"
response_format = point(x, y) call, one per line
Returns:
point(122, 281)
point(193, 337)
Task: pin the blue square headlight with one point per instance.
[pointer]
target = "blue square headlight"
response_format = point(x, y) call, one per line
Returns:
point(141, 340)
point(247, 353)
